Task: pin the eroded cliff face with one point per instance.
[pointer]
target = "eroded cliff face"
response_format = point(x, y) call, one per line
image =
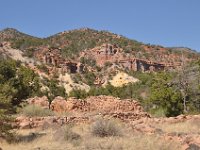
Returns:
point(145, 58)
point(53, 57)
point(104, 53)
point(114, 54)
point(109, 59)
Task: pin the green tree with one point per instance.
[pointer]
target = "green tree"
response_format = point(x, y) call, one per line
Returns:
point(16, 83)
point(80, 94)
point(54, 90)
point(90, 78)
point(7, 70)
point(165, 96)
point(5, 111)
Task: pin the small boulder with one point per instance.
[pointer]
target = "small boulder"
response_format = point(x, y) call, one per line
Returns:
point(59, 104)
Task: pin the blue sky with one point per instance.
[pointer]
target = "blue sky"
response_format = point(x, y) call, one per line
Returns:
point(163, 22)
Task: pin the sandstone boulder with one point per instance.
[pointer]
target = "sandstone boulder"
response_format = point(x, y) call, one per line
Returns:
point(59, 104)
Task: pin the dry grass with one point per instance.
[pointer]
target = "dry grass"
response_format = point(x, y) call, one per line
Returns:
point(33, 110)
point(134, 142)
point(190, 126)
point(46, 142)
point(79, 137)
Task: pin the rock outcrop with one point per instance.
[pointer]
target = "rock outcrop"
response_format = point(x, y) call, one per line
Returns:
point(84, 110)
point(114, 54)
point(101, 104)
point(111, 104)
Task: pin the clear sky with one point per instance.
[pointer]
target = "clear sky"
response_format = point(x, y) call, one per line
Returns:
point(164, 22)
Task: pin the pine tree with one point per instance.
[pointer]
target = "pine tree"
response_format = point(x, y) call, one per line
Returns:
point(165, 96)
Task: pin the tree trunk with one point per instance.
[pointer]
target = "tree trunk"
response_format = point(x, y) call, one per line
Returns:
point(184, 104)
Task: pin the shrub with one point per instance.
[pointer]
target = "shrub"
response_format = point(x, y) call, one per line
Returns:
point(70, 135)
point(5, 127)
point(80, 94)
point(89, 78)
point(105, 128)
point(108, 64)
point(33, 110)
point(43, 68)
point(158, 112)
point(67, 134)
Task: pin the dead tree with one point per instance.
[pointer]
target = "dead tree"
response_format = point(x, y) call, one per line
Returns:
point(183, 83)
